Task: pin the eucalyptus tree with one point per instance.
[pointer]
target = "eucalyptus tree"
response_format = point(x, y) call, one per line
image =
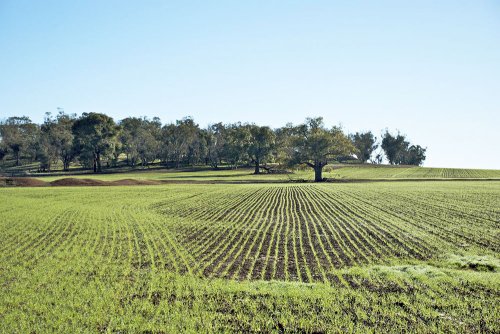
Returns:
point(95, 136)
point(365, 143)
point(315, 145)
point(394, 147)
point(20, 136)
point(236, 143)
point(261, 144)
point(179, 139)
point(140, 139)
point(399, 151)
point(215, 142)
point(57, 139)
point(414, 155)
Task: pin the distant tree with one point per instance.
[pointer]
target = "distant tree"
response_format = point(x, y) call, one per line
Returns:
point(57, 140)
point(149, 141)
point(394, 147)
point(414, 155)
point(20, 136)
point(283, 148)
point(215, 142)
point(197, 148)
point(365, 143)
point(129, 130)
point(3, 149)
point(379, 157)
point(179, 138)
point(140, 139)
point(47, 152)
point(95, 137)
point(314, 145)
point(237, 138)
point(204, 142)
point(399, 151)
point(33, 142)
point(261, 144)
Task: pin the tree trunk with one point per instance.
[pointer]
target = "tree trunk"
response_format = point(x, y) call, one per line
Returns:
point(257, 166)
point(17, 159)
point(65, 161)
point(318, 170)
point(99, 168)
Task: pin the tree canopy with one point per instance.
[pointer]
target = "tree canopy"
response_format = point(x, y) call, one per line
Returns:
point(93, 138)
point(399, 151)
point(365, 143)
point(314, 145)
point(261, 144)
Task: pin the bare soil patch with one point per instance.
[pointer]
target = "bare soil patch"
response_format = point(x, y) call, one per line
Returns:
point(133, 182)
point(21, 182)
point(78, 182)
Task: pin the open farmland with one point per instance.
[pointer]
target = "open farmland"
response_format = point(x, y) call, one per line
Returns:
point(412, 172)
point(332, 172)
point(251, 257)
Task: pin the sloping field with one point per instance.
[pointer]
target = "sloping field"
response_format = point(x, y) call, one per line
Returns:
point(304, 232)
point(284, 257)
point(389, 172)
point(365, 172)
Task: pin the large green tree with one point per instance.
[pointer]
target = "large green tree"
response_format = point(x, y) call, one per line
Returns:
point(260, 145)
point(215, 142)
point(179, 140)
point(394, 146)
point(314, 145)
point(399, 151)
point(237, 139)
point(57, 139)
point(414, 155)
point(365, 143)
point(95, 137)
point(20, 136)
point(140, 139)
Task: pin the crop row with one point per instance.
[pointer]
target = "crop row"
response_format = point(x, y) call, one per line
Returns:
point(279, 232)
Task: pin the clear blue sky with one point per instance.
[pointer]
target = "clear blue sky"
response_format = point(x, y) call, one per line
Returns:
point(428, 68)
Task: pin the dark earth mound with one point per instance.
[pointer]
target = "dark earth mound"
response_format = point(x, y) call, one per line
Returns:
point(133, 182)
point(21, 182)
point(78, 182)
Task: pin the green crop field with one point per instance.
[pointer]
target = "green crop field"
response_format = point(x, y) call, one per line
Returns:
point(355, 257)
point(388, 172)
point(339, 172)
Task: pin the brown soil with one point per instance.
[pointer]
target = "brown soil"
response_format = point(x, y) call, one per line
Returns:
point(21, 182)
point(78, 182)
point(68, 182)
point(133, 182)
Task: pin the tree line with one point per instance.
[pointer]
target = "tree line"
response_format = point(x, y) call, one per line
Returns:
point(95, 141)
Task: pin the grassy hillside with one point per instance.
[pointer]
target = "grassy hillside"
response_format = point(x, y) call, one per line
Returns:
point(368, 257)
point(387, 172)
point(367, 172)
